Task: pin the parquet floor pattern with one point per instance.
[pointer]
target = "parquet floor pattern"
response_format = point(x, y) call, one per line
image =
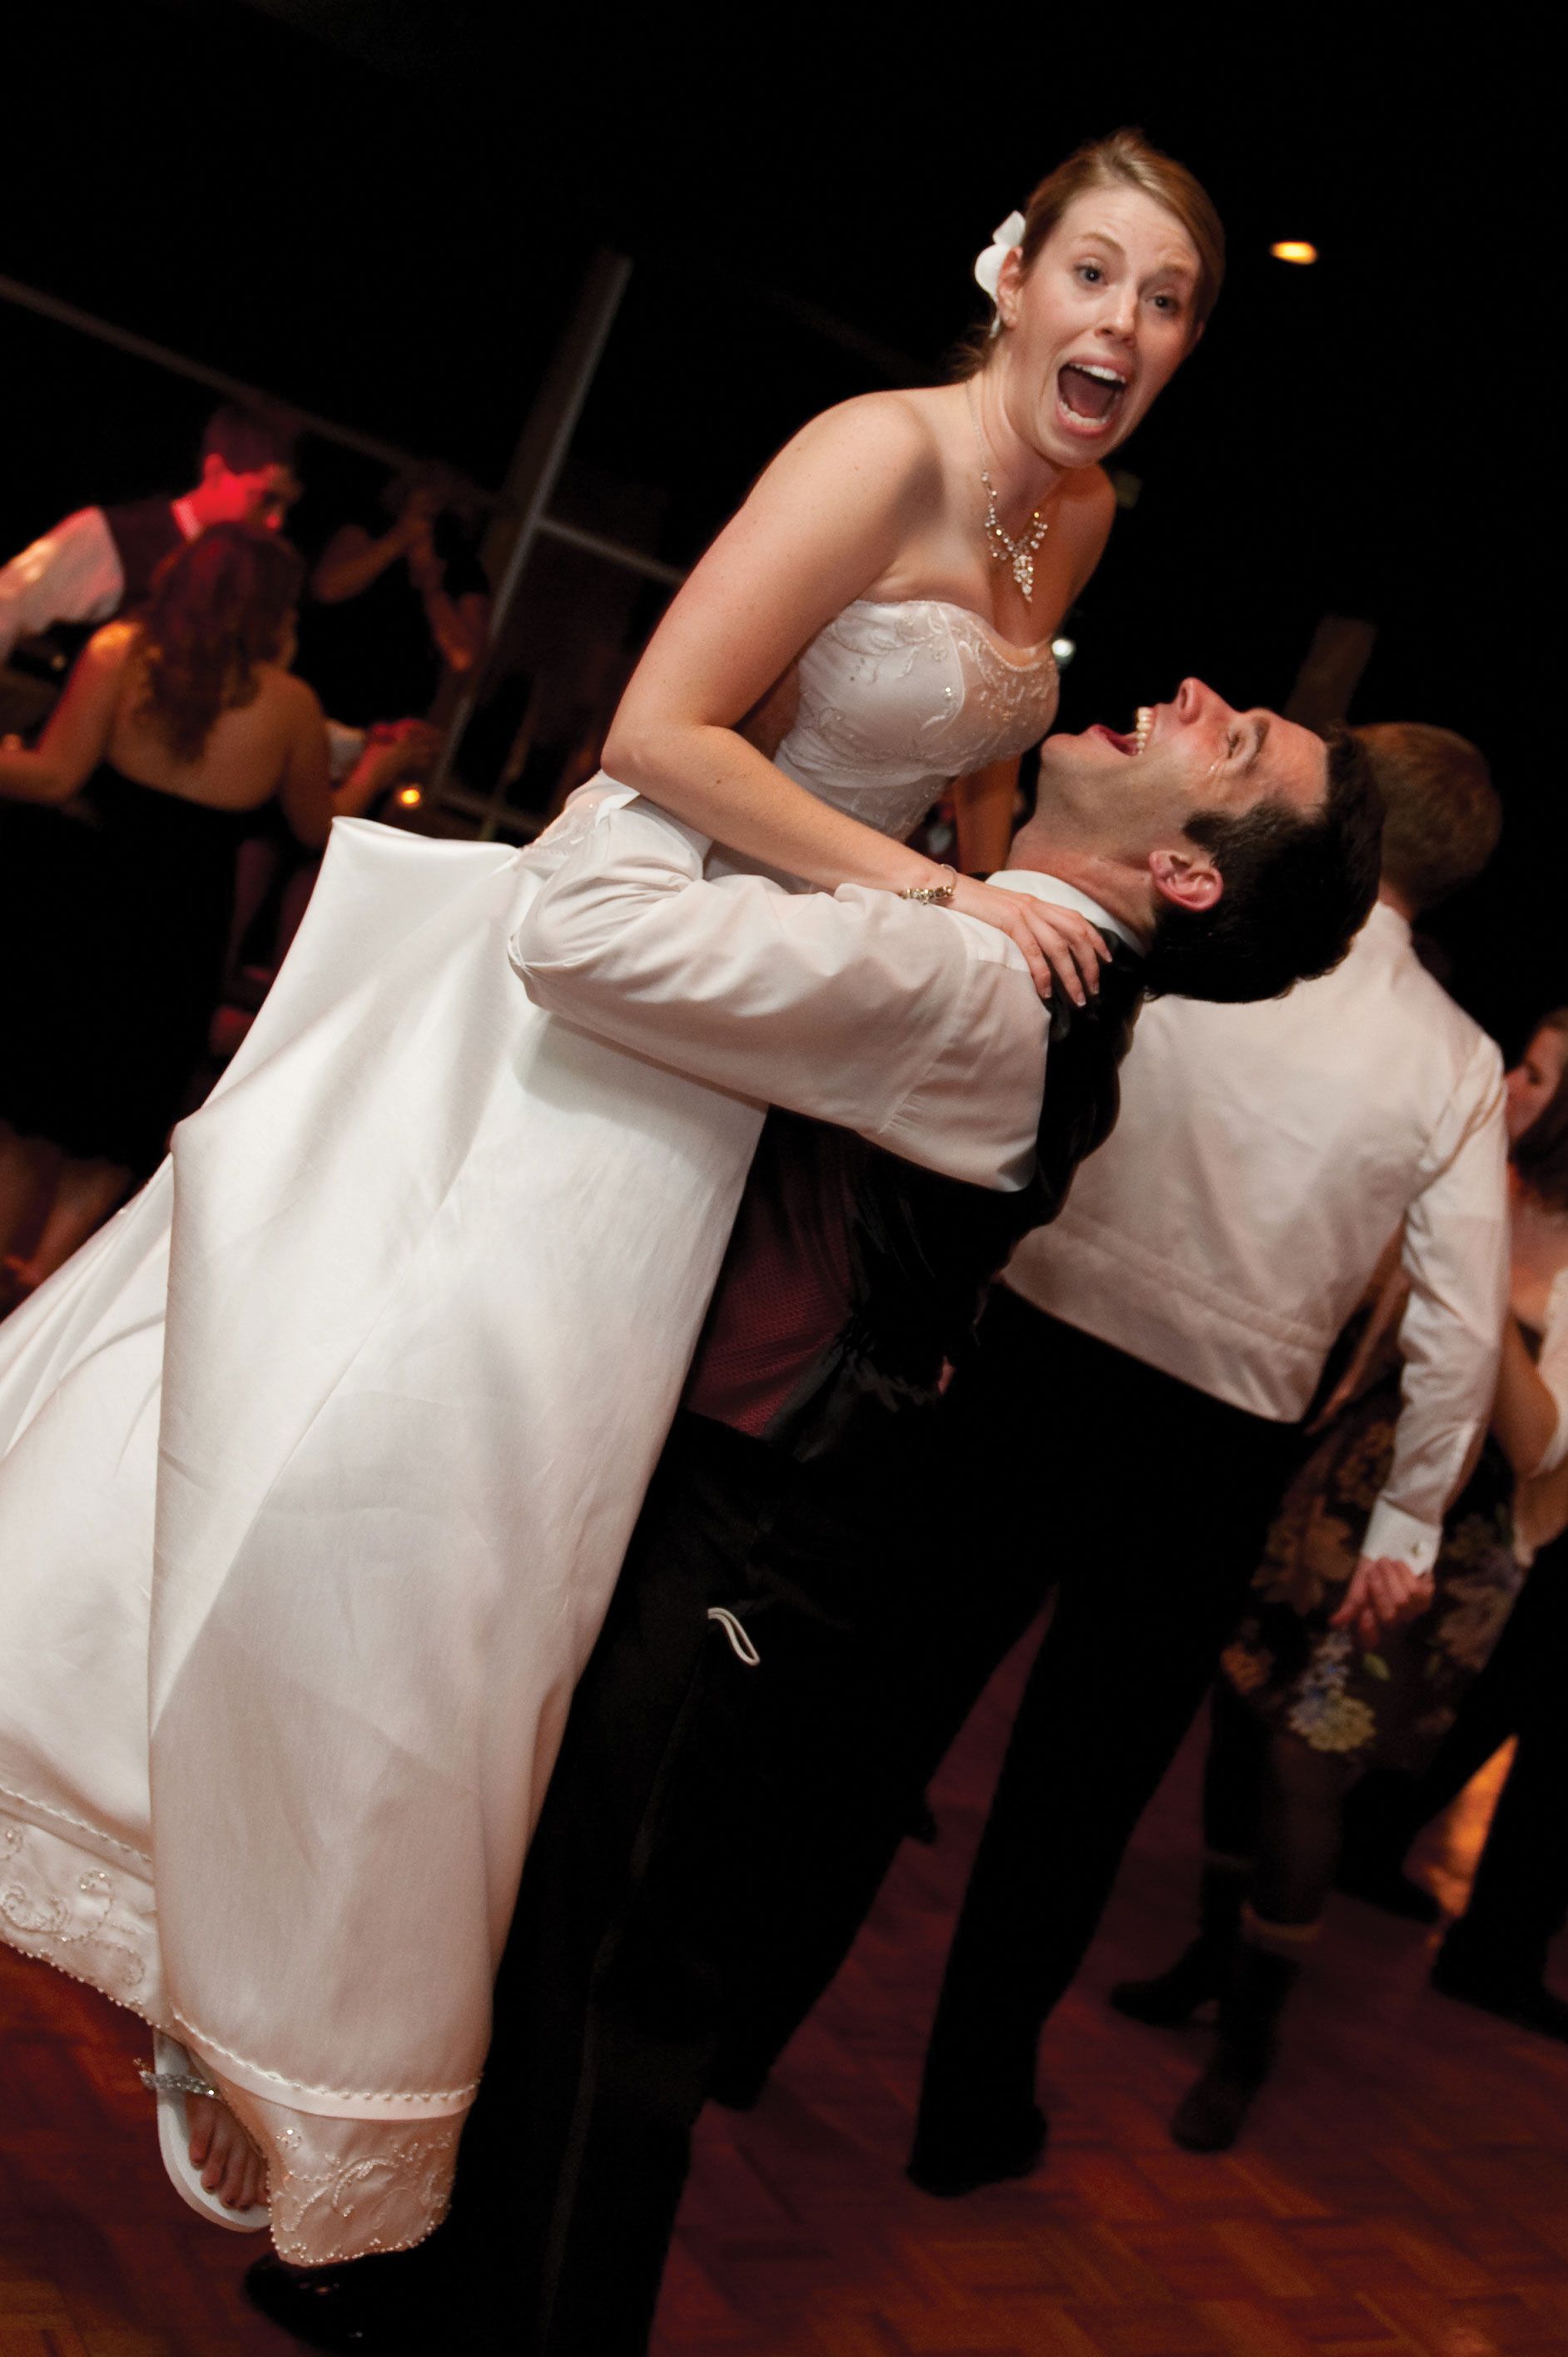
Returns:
point(1405, 2188)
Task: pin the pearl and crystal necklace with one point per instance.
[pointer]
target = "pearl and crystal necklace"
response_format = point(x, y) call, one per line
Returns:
point(1017, 553)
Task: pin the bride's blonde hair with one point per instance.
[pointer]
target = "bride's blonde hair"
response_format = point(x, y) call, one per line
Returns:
point(1125, 160)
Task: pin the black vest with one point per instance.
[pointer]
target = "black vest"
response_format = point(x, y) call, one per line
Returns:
point(924, 1249)
point(143, 533)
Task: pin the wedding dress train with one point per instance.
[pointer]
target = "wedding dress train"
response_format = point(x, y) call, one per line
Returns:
point(317, 1464)
point(370, 1405)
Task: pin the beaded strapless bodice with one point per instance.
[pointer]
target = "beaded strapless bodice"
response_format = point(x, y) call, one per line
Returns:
point(896, 699)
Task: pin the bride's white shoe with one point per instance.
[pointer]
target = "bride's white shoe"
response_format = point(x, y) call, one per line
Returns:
point(174, 2076)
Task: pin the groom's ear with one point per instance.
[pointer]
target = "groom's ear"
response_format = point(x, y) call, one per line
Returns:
point(1188, 879)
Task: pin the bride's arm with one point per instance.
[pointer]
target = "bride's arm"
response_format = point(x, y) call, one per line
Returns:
point(982, 805)
point(826, 522)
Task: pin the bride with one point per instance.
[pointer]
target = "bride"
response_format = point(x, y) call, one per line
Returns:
point(320, 1461)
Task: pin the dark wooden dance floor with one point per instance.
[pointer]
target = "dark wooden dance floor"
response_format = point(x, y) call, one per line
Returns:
point(1404, 2188)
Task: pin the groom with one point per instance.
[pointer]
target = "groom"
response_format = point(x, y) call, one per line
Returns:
point(741, 1716)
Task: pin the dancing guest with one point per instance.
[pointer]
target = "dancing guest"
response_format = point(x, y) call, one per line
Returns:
point(1184, 1306)
point(100, 560)
point(1317, 1689)
point(173, 729)
point(421, 1219)
point(399, 618)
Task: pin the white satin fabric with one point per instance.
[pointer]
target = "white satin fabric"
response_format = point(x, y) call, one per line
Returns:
point(340, 1506)
point(929, 1039)
point(901, 696)
point(317, 1463)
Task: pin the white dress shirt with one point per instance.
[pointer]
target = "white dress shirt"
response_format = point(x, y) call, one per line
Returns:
point(1264, 1157)
point(920, 1029)
point(1064, 895)
point(73, 574)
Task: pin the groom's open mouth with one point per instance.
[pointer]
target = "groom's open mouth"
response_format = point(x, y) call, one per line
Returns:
point(1090, 392)
point(1130, 743)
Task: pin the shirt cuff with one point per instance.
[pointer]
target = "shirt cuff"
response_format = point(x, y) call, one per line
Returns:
point(344, 746)
point(1392, 1531)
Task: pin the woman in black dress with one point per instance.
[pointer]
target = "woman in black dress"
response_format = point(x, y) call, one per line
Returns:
point(174, 729)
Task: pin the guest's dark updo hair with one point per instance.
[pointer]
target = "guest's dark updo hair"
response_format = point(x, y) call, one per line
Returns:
point(1124, 160)
point(1541, 1156)
point(219, 605)
point(1297, 888)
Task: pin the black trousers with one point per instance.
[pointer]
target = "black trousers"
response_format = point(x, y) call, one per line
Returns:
point(719, 1824)
point(705, 1763)
point(1055, 1461)
point(1147, 1503)
point(1519, 1899)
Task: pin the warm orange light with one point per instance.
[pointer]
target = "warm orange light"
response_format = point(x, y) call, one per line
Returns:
point(1293, 249)
point(411, 797)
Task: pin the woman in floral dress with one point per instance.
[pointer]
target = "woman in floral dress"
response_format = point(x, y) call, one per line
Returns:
point(1306, 1706)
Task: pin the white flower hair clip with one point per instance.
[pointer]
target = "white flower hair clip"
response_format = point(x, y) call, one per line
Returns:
point(1008, 236)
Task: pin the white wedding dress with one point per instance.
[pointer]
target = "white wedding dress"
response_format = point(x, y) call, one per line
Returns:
point(317, 1463)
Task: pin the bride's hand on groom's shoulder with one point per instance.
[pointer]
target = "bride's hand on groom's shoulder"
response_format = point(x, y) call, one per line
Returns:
point(1055, 942)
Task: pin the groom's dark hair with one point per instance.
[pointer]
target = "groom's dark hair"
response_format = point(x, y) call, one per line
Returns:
point(1297, 890)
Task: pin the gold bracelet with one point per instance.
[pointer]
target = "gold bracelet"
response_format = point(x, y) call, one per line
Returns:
point(934, 896)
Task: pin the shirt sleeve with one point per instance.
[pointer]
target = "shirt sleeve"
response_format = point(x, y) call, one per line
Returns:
point(344, 746)
point(918, 1029)
point(1456, 1257)
point(73, 574)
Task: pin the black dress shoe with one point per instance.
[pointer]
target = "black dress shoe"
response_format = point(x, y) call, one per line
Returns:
point(1209, 2116)
point(371, 2307)
point(1173, 1996)
point(961, 2161)
point(738, 2084)
point(320, 2306)
point(1528, 2004)
point(1380, 1885)
point(923, 1825)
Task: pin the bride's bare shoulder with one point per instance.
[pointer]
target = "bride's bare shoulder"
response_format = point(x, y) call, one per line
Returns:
point(891, 438)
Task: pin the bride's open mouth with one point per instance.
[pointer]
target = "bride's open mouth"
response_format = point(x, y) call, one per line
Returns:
point(1090, 393)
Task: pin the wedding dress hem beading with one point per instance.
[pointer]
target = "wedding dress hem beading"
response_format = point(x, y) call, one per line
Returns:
point(92, 1921)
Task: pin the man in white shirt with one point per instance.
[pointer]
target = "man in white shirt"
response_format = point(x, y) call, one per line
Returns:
point(100, 559)
point(1165, 1338)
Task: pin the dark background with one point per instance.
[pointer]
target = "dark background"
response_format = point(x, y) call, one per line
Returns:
point(382, 209)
